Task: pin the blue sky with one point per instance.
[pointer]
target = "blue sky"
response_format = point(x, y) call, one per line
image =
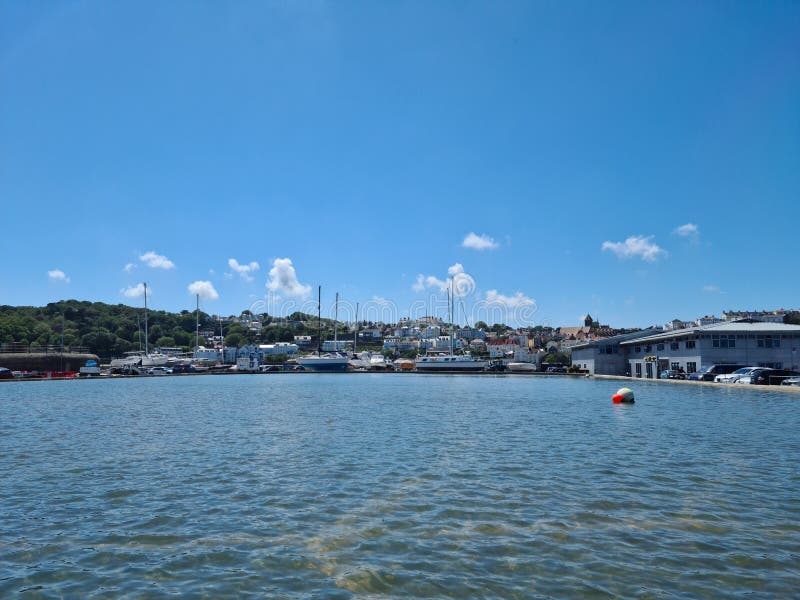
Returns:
point(364, 141)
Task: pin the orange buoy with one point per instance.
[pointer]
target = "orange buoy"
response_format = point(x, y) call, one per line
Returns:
point(623, 396)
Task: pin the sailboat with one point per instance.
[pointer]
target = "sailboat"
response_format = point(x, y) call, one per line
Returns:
point(329, 362)
point(450, 363)
point(150, 359)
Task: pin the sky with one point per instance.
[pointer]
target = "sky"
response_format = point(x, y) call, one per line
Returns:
point(639, 161)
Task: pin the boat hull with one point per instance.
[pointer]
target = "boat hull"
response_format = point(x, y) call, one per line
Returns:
point(324, 365)
point(521, 367)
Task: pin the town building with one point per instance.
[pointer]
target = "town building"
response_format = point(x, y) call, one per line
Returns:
point(336, 345)
point(767, 316)
point(606, 356)
point(745, 342)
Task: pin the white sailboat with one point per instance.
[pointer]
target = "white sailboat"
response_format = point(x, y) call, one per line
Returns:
point(329, 362)
point(150, 359)
point(450, 363)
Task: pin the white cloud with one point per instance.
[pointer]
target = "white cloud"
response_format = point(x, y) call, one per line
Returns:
point(156, 261)
point(509, 302)
point(712, 289)
point(135, 291)
point(479, 242)
point(463, 283)
point(58, 275)
point(245, 271)
point(204, 288)
point(688, 230)
point(636, 246)
point(380, 300)
point(129, 267)
point(283, 279)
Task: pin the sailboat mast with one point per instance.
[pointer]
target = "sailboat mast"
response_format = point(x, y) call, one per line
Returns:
point(450, 314)
point(336, 323)
point(319, 320)
point(197, 325)
point(146, 348)
point(355, 332)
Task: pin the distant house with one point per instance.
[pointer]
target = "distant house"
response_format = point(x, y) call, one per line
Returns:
point(677, 324)
point(765, 316)
point(502, 347)
point(302, 340)
point(336, 345)
point(373, 333)
point(574, 333)
point(400, 344)
point(707, 320)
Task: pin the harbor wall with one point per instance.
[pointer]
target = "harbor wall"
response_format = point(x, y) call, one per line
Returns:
point(24, 361)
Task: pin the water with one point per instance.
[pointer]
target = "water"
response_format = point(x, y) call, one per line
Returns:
point(340, 486)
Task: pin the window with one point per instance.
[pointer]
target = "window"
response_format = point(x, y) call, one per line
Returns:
point(674, 366)
point(691, 367)
point(689, 344)
point(637, 349)
point(649, 368)
point(723, 341)
point(639, 369)
point(660, 347)
point(673, 346)
point(768, 341)
point(648, 348)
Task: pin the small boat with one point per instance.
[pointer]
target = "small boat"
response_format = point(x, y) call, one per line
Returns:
point(404, 364)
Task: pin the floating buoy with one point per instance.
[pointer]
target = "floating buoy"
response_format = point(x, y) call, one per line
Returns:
point(623, 396)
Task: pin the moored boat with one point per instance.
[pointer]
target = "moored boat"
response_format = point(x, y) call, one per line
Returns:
point(521, 367)
point(333, 362)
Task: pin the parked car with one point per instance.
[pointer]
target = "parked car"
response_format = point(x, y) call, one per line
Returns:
point(6, 373)
point(791, 381)
point(735, 376)
point(159, 371)
point(672, 374)
point(765, 376)
point(556, 370)
point(708, 373)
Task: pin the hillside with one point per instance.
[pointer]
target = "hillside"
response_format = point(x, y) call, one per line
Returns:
point(109, 330)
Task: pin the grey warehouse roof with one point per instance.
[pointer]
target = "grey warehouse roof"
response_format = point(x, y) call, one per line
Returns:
point(743, 326)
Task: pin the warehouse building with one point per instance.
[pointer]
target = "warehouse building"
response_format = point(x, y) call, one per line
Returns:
point(744, 342)
point(605, 356)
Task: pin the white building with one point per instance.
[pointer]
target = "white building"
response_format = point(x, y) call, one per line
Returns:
point(336, 346)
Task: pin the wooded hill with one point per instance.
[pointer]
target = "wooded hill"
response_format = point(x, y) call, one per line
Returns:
point(112, 329)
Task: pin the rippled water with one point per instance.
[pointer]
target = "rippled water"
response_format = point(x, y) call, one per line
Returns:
point(339, 486)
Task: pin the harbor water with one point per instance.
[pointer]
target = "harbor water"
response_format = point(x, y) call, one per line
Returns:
point(389, 486)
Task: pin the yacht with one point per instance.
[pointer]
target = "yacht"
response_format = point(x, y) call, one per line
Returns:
point(327, 362)
point(450, 363)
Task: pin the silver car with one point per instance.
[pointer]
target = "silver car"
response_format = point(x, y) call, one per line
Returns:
point(735, 376)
